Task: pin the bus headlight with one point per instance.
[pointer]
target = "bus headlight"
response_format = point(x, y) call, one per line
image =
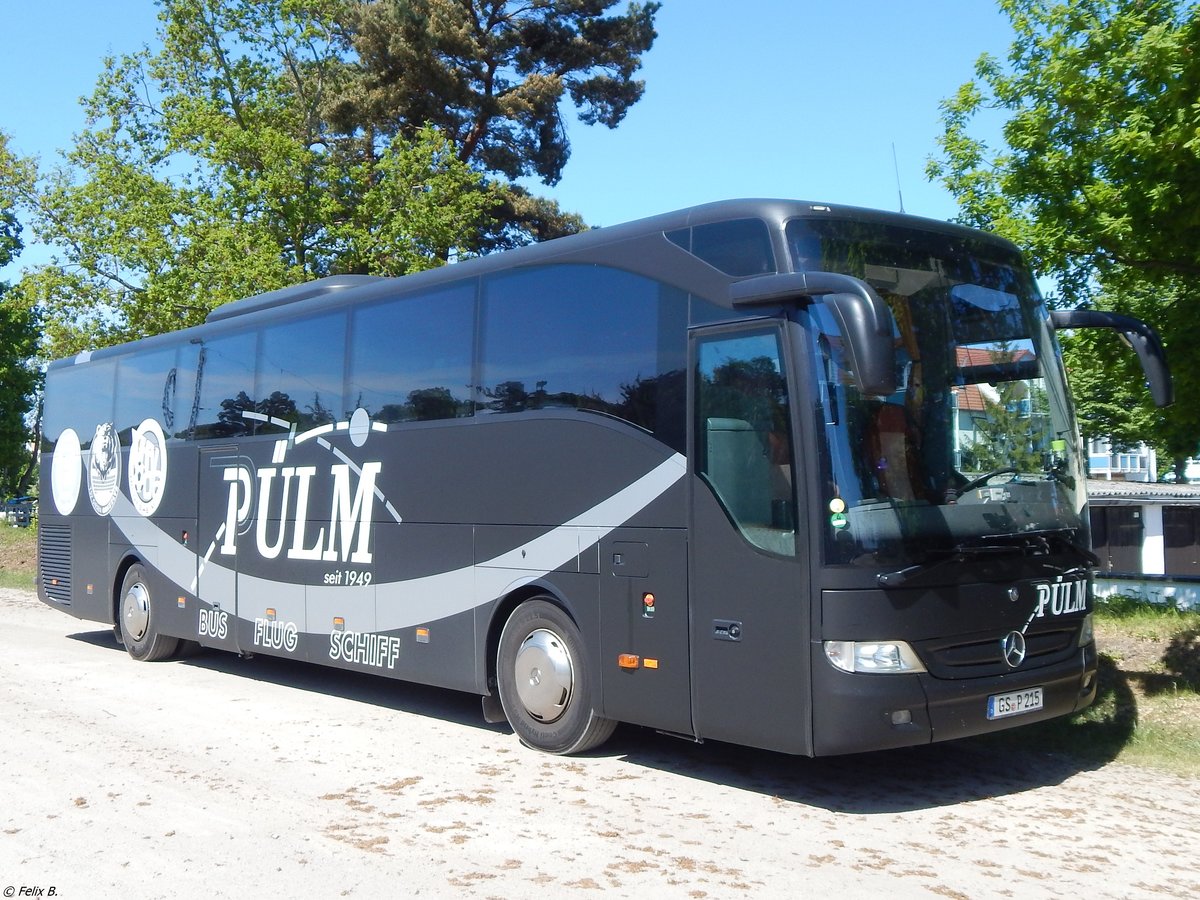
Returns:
point(1087, 633)
point(875, 657)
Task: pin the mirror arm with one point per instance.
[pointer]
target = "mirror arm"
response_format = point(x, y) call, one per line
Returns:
point(862, 315)
point(1138, 334)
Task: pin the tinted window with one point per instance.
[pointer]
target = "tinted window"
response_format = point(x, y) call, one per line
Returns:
point(300, 371)
point(148, 388)
point(226, 373)
point(187, 403)
point(740, 247)
point(743, 435)
point(81, 398)
point(410, 359)
point(589, 338)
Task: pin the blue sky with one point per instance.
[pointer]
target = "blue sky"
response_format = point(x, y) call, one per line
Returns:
point(759, 98)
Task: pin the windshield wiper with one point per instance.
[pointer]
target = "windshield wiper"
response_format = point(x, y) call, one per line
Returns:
point(960, 553)
point(1035, 542)
point(1048, 537)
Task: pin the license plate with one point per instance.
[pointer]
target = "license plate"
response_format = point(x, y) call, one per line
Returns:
point(1000, 706)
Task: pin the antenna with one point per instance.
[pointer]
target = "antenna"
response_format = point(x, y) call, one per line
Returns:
point(896, 166)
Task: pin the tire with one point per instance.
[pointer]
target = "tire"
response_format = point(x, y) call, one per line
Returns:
point(544, 684)
point(136, 619)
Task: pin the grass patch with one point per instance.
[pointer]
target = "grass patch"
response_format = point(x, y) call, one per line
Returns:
point(18, 556)
point(1147, 708)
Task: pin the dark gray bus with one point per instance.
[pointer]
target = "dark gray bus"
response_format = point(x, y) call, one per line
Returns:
point(793, 476)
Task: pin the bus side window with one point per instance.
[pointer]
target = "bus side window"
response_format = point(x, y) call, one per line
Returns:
point(410, 356)
point(744, 436)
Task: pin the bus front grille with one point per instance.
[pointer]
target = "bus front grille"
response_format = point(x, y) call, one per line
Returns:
point(981, 656)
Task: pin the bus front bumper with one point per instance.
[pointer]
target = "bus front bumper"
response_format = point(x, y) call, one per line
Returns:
point(853, 713)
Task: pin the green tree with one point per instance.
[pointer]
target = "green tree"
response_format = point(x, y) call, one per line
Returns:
point(1099, 180)
point(207, 172)
point(1013, 431)
point(493, 75)
point(20, 376)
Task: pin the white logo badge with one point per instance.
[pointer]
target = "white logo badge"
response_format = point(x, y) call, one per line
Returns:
point(147, 467)
point(104, 469)
point(67, 472)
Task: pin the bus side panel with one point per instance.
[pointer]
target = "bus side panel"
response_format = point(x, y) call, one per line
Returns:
point(644, 612)
point(750, 682)
point(90, 596)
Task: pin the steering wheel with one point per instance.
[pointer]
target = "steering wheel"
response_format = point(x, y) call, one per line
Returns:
point(984, 479)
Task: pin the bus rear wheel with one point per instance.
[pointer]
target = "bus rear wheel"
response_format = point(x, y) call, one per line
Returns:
point(543, 681)
point(136, 620)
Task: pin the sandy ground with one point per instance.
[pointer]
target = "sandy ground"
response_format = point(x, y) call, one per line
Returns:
point(221, 777)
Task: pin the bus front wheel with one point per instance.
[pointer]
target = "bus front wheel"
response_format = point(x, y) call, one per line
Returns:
point(543, 682)
point(135, 618)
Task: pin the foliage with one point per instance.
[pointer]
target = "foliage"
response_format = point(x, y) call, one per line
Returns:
point(1008, 434)
point(207, 173)
point(20, 376)
point(20, 379)
point(492, 75)
point(12, 176)
point(265, 142)
point(1099, 180)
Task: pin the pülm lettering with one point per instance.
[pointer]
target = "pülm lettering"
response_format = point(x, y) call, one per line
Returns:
point(1062, 597)
point(346, 536)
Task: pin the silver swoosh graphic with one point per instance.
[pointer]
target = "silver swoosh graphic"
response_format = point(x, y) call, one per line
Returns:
point(416, 601)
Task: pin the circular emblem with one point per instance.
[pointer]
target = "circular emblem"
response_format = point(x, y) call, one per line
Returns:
point(104, 469)
point(66, 473)
point(360, 427)
point(147, 467)
point(1013, 647)
point(1013, 594)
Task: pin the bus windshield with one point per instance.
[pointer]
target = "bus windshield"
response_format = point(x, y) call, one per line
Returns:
point(977, 446)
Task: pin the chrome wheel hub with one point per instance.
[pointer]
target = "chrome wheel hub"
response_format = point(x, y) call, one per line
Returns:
point(545, 675)
point(135, 611)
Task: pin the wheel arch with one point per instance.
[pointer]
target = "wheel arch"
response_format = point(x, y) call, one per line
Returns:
point(504, 608)
point(128, 561)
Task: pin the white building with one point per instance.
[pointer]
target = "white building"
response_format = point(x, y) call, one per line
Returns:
point(1147, 537)
point(1137, 464)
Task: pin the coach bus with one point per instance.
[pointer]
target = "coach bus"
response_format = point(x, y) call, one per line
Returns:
point(788, 475)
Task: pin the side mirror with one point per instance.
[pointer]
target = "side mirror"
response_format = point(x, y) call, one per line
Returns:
point(862, 315)
point(1142, 337)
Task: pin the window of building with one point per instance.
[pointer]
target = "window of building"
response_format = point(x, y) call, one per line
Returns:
point(1117, 538)
point(1181, 540)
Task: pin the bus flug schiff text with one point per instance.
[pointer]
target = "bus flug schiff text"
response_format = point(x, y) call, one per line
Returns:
point(790, 475)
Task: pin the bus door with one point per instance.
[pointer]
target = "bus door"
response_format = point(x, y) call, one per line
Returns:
point(223, 521)
point(644, 623)
point(749, 621)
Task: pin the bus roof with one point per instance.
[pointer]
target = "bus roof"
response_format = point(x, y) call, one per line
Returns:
point(354, 288)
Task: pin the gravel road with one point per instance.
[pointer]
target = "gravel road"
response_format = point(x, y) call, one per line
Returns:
point(221, 777)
